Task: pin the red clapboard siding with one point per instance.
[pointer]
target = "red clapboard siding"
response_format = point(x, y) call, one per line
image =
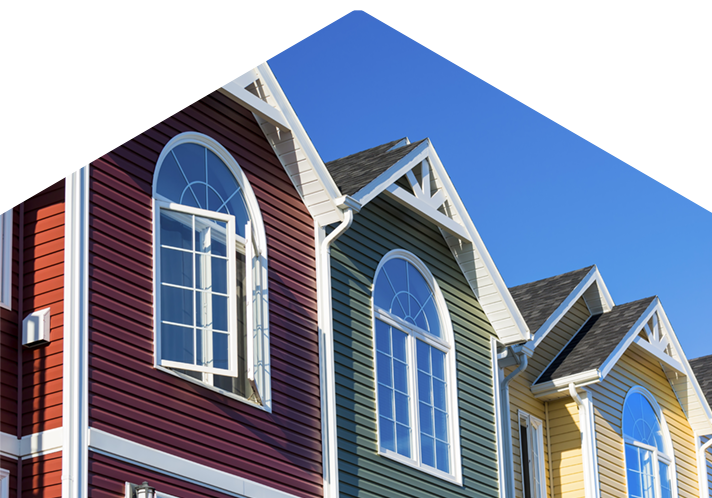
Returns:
point(11, 465)
point(9, 341)
point(43, 287)
point(131, 399)
point(42, 476)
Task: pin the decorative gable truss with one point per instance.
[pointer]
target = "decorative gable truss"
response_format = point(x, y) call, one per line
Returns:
point(419, 182)
point(259, 91)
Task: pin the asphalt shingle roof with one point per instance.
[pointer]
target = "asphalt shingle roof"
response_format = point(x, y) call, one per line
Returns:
point(538, 300)
point(596, 340)
point(702, 368)
point(352, 173)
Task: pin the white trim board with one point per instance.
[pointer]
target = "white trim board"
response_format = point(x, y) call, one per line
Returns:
point(32, 445)
point(181, 468)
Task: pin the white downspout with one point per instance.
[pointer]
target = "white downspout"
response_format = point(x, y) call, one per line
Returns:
point(506, 423)
point(329, 447)
point(588, 443)
point(702, 465)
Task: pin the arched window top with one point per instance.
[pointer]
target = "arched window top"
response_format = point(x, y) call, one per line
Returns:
point(402, 290)
point(641, 423)
point(195, 170)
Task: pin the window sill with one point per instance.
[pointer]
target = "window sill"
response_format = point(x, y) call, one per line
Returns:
point(213, 388)
point(454, 479)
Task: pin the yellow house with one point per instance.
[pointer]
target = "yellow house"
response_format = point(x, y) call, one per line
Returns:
point(601, 402)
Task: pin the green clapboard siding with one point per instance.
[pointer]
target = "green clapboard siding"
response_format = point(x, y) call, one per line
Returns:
point(380, 227)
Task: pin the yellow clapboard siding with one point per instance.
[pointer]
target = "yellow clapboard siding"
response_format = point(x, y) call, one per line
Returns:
point(634, 369)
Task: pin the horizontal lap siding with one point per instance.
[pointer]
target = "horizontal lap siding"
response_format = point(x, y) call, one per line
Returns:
point(131, 399)
point(708, 455)
point(11, 465)
point(380, 227)
point(42, 476)
point(633, 369)
point(43, 287)
point(566, 458)
point(108, 478)
point(9, 342)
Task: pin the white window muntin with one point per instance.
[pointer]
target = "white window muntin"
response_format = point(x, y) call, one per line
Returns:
point(6, 259)
point(231, 277)
point(442, 344)
point(535, 457)
point(665, 457)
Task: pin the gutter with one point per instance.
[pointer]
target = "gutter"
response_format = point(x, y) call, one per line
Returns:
point(702, 466)
point(329, 446)
point(506, 423)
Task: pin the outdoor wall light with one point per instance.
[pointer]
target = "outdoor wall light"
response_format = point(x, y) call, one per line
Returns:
point(142, 491)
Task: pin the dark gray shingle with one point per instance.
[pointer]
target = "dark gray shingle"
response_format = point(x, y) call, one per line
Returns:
point(352, 173)
point(702, 368)
point(538, 300)
point(596, 340)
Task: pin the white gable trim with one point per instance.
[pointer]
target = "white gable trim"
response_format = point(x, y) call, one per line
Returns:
point(461, 236)
point(290, 142)
point(593, 276)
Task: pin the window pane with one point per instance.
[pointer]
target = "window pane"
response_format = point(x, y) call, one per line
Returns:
point(402, 408)
point(426, 419)
point(191, 159)
point(631, 457)
point(211, 273)
point(176, 229)
point(427, 449)
point(176, 305)
point(177, 267)
point(399, 341)
point(210, 236)
point(431, 315)
point(177, 343)
point(384, 369)
point(385, 401)
point(400, 376)
point(403, 434)
point(220, 350)
point(236, 207)
point(441, 425)
point(665, 480)
point(424, 388)
point(383, 337)
point(438, 364)
point(170, 180)
point(386, 429)
point(221, 179)
point(439, 394)
point(443, 460)
point(423, 357)
point(383, 292)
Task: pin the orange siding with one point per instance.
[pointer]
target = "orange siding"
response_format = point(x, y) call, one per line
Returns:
point(43, 287)
point(42, 476)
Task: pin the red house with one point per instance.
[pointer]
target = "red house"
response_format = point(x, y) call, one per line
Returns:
point(159, 313)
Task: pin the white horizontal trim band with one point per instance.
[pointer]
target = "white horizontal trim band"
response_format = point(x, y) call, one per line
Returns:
point(32, 445)
point(143, 456)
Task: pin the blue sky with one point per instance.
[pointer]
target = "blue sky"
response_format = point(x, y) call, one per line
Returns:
point(544, 200)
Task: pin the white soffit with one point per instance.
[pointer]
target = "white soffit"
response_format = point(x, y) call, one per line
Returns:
point(441, 204)
point(259, 91)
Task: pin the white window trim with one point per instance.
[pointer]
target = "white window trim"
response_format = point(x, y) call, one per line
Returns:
point(448, 347)
point(657, 455)
point(538, 425)
point(261, 342)
point(4, 483)
point(6, 259)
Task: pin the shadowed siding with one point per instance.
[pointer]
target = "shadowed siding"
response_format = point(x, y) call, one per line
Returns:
point(131, 399)
point(566, 459)
point(43, 287)
point(9, 342)
point(380, 227)
point(634, 369)
point(520, 395)
point(708, 454)
point(42, 476)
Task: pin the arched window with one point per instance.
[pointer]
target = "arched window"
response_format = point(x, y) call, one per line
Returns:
point(415, 368)
point(648, 449)
point(210, 265)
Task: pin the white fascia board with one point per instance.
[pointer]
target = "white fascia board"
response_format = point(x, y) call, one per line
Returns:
point(388, 177)
point(593, 276)
point(561, 385)
point(9, 445)
point(523, 333)
point(165, 463)
point(265, 74)
point(41, 443)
